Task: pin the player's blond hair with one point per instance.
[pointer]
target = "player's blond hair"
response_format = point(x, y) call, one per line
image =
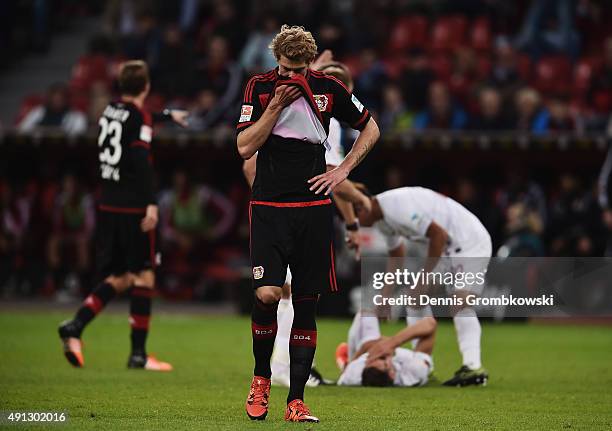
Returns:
point(295, 43)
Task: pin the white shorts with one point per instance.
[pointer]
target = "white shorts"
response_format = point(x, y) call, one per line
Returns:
point(469, 265)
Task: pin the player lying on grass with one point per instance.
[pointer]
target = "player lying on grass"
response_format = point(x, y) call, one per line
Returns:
point(454, 233)
point(127, 218)
point(368, 359)
point(291, 214)
point(345, 195)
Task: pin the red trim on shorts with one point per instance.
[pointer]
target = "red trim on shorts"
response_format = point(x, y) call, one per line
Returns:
point(138, 321)
point(303, 337)
point(93, 303)
point(292, 204)
point(262, 332)
point(121, 210)
point(332, 272)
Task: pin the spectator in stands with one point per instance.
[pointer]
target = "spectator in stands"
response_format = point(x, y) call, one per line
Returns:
point(193, 215)
point(505, 75)
point(220, 75)
point(530, 116)
point(574, 227)
point(415, 80)
point(256, 56)
point(394, 116)
point(174, 74)
point(464, 74)
point(538, 37)
point(73, 223)
point(600, 91)
point(371, 79)
point(490, 114)
point(56, 113)
point(558, 115)
point(523, 229)
point(441, 113)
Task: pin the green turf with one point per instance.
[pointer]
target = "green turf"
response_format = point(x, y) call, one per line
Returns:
point(541, 378)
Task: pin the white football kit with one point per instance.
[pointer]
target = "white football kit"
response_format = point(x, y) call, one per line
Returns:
point(408, 212)
point(411, 368)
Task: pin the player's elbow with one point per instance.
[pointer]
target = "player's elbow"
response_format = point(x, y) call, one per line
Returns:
point(245, 152)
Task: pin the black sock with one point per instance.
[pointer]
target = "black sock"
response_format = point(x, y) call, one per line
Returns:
point(140, 315)
point(302, 345)
point(93, 304)
point(263, 327)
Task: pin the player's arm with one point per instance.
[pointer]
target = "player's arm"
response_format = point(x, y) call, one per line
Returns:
point(251, 139)
point(365, 142)
point(348, 109)
point(177, 116)
point(249, 169)
point(424, 330)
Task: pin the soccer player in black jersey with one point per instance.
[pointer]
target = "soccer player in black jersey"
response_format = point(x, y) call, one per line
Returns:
point(291, 214)
point(127, 218)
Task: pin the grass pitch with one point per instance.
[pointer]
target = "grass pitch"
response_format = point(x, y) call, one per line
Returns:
point(541, 378)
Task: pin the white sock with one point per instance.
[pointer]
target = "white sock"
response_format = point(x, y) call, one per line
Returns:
point(413, 315)
point(468, 336)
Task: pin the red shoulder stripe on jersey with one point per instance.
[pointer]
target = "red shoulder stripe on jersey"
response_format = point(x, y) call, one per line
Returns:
point(248, 92)
point(142, 144)
point(333, 78)
point(249, 96)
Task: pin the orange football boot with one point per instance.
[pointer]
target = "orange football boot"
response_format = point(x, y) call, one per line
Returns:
point(297, 411)
point(73, 351)
point(257, 401)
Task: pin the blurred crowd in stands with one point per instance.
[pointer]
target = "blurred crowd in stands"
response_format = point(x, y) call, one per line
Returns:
point(539, 66)
point(435, 64)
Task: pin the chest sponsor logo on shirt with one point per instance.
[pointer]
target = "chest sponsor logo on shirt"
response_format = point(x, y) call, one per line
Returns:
point(322, 101)
point(246, 113)
point(258, 272)
point(357, 103)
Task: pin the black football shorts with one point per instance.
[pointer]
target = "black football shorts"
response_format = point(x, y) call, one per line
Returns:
point(121, 246)
point(298, 235)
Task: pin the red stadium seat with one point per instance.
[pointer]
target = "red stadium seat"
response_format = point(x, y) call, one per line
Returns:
point(441, 66)
point(552, 74)
point(480, 35)
point(583, 74)
point(28, 103)
point(408, 32)
point(448, 33)
point(523, 65)
point(90, 69)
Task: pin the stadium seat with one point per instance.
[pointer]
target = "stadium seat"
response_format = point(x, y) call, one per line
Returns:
point(408, 32)
point(552, 74)
point(480, 35)
point(442, 67)
point(523, 64)
point(448, 33)
point(583, 74)
point(28, 103)
point(90, 69)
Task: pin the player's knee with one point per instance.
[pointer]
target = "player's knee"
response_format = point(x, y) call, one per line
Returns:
point(145, 280)
point(269, 294)
point(120, 283)
point(432, 324)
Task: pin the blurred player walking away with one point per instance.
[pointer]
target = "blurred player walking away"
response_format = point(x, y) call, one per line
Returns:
point(126, 244)
point(453, 233)
point(285, 119)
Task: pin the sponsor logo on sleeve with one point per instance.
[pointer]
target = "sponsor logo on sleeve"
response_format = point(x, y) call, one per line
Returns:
point(246, 113)
point(258, 272)
point(357, 103)
point(146, 133)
